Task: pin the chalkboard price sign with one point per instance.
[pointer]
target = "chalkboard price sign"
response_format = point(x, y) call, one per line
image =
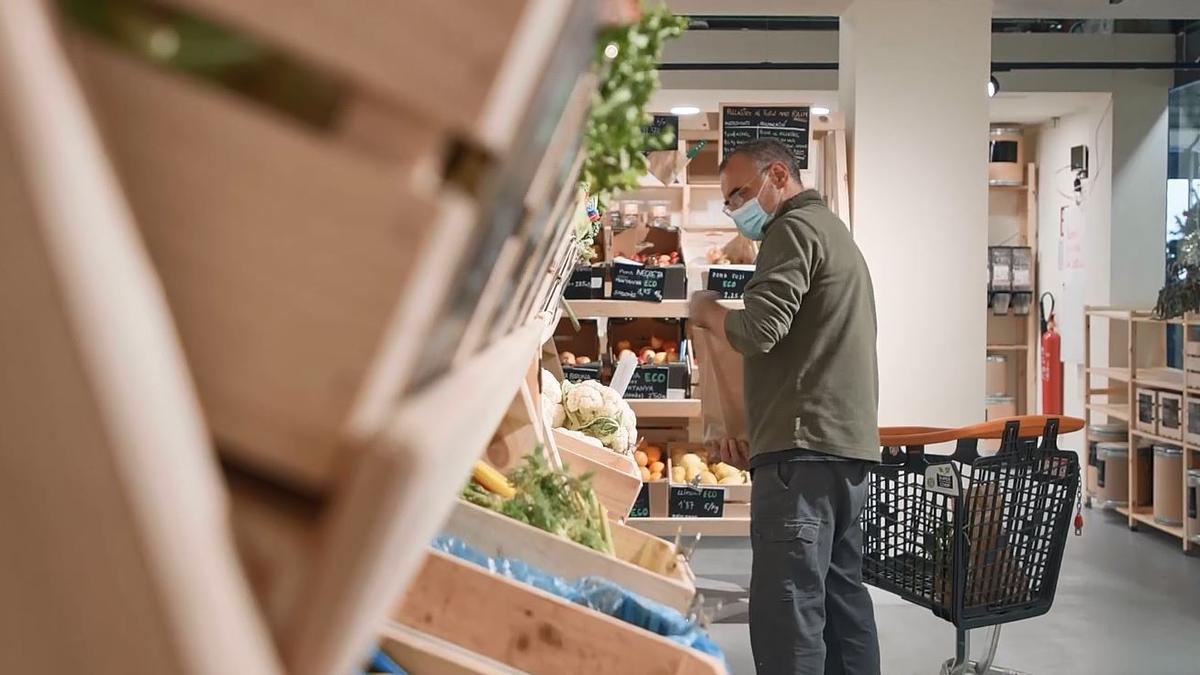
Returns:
point(641, 505)
point(729, 282)
point(696, 502)
point(576, 375)
point(648, 382)
point(637, 282)
point(658, 125)
point(789, 125)
point(583, 284)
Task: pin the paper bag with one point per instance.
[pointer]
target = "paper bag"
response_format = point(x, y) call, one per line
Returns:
point(722, 388)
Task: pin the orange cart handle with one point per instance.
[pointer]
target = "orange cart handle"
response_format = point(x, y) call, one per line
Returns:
point(1031, 426)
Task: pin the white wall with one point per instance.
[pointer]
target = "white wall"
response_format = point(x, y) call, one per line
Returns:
point(913, 82)
point(1092, 285)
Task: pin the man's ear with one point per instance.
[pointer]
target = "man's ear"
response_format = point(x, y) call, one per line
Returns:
point(779, 174)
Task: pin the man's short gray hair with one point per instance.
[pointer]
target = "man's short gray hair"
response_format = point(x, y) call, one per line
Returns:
point(764, 152)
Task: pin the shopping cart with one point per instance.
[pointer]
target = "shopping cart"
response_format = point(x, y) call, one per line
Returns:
point(976, 539)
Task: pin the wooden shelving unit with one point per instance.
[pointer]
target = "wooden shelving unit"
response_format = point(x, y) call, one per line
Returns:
point(1138, 348)
point(1013, 336)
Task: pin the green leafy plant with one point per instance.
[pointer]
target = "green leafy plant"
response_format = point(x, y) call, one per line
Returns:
point(614, 138)
point(1181, 293)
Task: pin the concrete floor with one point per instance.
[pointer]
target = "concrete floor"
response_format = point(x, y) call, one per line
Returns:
point(1128, 603)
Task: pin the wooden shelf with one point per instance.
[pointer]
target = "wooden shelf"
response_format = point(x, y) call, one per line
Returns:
point(1110, 313)
point(707, 527)
point(1007, 348)
point(1118, 411)
point(667, 309)
point(1112, 373)
point(1162, 378)
point(1021, 187)
point(1146, 318)
point(1158, 439)
point(665, 407)
point(1145, 514)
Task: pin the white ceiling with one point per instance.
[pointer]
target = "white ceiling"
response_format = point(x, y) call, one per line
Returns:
point(1022, 9)
point(1017, 107)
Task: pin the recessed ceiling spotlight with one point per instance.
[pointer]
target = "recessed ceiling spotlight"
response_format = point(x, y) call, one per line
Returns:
point(684, 110)
point(819, 110)
point(611, 50)
point(993, 86)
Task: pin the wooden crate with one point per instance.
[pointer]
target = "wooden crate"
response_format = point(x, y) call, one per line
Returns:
point(733, 493)
point(423, 654)
point(456, 63)
point(1146, 410)
point(302, 276)
point(1192, 431)
point(532, 630)
point(496, 534)
point(1191, 356)
point(615, 477)
point(1170, 415)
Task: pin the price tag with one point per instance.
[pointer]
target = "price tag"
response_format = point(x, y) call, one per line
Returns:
point(641, 505)
point(648, 382)
point(577, 374)
point(638, 282)
point(696, 502)
point(728, 281)
point(581, 284)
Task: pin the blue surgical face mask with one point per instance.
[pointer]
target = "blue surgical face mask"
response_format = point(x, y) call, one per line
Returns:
point(750, 217)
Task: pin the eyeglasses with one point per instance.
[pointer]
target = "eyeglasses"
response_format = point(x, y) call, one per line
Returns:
point(737, 198)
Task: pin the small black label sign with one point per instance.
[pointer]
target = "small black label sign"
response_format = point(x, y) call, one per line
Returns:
point(577, 375)
point(641, 505)
point(582, 283)
point(696, 502)
point(637, 282)
point(648, 382)
point(728, 281)
point(659, 125)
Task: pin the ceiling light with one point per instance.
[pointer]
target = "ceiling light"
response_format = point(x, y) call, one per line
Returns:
point(610, 51)
point(993, 86)
point(684, 110)
point(819, 110)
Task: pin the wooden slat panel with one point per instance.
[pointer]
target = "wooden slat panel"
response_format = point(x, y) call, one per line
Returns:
point(287, 259)
point(532, 630)
point(117, 553)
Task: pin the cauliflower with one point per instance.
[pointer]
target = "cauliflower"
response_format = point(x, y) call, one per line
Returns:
point(559, 416)
point(548, 406)
point(629, 421)
point(584, 402)
point(619, 442)
point(550, 387)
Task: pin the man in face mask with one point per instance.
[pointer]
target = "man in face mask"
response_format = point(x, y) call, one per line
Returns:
point(807, 336)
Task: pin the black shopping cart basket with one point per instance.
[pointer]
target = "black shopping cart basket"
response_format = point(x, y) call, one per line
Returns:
point(977, 539)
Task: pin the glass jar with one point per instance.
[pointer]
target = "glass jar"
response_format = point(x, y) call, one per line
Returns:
point(660, 214)
point(631, 213)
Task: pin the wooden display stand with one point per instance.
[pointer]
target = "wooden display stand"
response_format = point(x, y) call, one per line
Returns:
point(1135, 370)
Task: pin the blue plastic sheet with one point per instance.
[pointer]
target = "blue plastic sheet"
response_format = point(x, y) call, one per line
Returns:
point(382, 663)
point(596, 593)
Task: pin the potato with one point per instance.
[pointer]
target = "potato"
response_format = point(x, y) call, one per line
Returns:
point(567, 358)
point(653, 452)
point(641, 458)
point(656, 475)
point(731, 480)
point(660, 358)
point(690, 473)
point(656, 343)
point(624, 345)
point(647, 356)
point(582, 360)
point(707, 478)
point(645, 473)
point(691, 459)
point(657, 467)
point(677, 474)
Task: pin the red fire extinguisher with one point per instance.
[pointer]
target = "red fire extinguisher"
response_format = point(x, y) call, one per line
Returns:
point(1052, 376)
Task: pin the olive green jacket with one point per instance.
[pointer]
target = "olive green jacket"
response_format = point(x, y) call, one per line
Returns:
point(808, 337)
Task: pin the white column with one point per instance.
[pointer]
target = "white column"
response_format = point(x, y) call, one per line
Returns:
point(914, 88)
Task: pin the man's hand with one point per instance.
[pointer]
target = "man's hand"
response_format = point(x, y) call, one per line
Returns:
point(733, 452)
point(703, 309)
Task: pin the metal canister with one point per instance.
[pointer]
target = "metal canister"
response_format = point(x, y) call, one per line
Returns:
point(1193, 496)
point(1168, 485)
point(1112, 474)
point(1101, 433)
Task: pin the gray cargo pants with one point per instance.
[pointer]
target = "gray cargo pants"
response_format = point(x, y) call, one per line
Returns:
point(809, 611)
